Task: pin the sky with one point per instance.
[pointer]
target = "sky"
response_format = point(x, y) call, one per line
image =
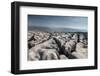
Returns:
point(67, 22)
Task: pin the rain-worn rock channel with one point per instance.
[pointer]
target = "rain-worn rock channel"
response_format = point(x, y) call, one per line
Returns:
point(57, 45)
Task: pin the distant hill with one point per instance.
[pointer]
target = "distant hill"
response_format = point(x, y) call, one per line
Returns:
point(52, 29)
point(36, 28)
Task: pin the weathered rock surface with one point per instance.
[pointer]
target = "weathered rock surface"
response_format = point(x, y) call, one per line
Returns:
point(56, 45)
point(63, 57)
point(79, 55)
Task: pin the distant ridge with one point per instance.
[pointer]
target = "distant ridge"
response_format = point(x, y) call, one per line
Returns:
point(52, 29)
point(36, 28)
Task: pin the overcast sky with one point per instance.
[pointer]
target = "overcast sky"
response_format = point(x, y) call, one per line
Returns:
point(69, 22)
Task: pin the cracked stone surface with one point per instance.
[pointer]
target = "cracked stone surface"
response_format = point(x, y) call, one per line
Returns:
point(57, 45)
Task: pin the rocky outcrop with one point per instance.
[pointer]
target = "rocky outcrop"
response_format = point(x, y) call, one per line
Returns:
point(56, 45)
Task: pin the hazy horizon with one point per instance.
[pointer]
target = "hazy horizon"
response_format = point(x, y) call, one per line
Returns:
point(58, 23)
